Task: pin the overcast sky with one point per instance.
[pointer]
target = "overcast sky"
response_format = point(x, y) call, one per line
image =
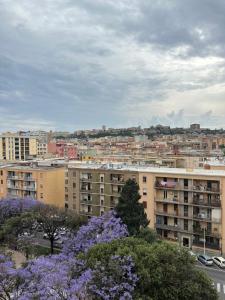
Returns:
point(73, 64)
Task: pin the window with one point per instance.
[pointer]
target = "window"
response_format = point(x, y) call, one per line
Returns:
point(74, 174)
point(74, 184)
point(66, 181)
point(185, 224)
point(41, 195)
point(102, 179)
point(144, 179)
point(66, 197)
point(1, 181)
point(185, 211)
point(165, 194)
point(144, 192)
point(145, 204)
point(1, 173)
point(102, 190)
point(185, 182)
point(66, 205)
point(185, 197)
point(41, 186)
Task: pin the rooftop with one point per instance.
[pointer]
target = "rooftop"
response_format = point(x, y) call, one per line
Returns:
point(146, 169)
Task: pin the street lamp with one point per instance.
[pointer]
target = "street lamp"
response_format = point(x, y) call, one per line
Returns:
point(204, 239)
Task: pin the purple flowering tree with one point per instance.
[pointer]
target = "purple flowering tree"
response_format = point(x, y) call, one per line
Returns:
point(12, 207)
point(67, 275)
point(103, 229)
point(8, 278)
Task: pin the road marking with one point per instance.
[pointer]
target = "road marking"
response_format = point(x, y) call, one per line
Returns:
point(218, 287)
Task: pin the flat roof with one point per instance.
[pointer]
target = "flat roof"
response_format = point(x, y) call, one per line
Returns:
point(148, 169)
point(34, 168)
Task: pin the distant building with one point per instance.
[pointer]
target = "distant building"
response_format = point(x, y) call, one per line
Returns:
point(15, 146)
point(63, 149)
point(195, 127)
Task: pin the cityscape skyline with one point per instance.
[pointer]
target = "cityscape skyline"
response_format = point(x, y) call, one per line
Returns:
point(69, 66)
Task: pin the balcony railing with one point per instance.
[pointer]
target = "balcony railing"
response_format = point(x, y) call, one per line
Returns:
point(208, 232)
point(202, 217)
point(29, 188)
point(212, 203)
point(173, 185)
point(23, 178)
point(86, 179)
point(168, 227)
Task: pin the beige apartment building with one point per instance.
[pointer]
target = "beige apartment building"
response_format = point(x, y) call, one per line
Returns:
point(15, 147)
point(183, 205)
point(44, 183)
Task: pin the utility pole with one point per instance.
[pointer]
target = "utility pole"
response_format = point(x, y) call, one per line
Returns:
point(204, 240)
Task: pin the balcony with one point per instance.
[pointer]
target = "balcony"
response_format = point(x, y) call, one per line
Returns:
point(199, 231)
point(117, 180)
point(210, 203)
point(166, 213)
point(171, 185)
point(174, 185)
point(202, 217)
point(29, 188)
point(23, 178)
point(167, 227)
point(83, 179)
point(28, 178)
point(173, 201)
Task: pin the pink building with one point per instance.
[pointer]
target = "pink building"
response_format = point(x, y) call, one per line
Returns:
point(62, 149)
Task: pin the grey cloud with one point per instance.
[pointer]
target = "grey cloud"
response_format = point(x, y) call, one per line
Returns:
point(75, 64)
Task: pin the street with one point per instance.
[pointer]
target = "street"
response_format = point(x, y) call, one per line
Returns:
point(218, 277)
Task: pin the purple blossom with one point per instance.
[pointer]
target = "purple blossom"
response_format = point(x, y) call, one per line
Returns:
point(12, 207)
point(102, 229)
point(64, 276)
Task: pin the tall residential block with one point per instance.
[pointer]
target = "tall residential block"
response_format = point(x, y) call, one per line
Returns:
point(17, 147)
point(184, 205)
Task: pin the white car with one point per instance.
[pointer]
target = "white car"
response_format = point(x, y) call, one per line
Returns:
point(219, 261)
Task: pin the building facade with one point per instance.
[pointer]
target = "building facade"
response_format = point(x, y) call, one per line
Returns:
point(15, 147)
point(46, 184)
point(183, 205)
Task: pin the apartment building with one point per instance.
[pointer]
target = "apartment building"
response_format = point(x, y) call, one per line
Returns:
point(17, 147)
point(184, 205)
point(92, 191)
point(44, 183)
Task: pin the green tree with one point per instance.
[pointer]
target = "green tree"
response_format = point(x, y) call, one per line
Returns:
point(165, 271)
point(149, 235)
point(130, 210)
point(51, 219)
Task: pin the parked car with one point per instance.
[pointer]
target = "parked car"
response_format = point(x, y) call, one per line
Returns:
point(219, 261)
point(206, 260)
